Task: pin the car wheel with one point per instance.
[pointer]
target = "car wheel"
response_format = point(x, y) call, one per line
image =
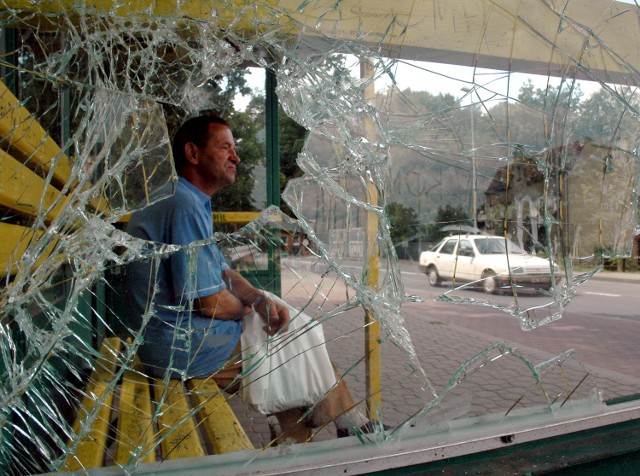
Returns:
point(489, 282)
point(433, 276)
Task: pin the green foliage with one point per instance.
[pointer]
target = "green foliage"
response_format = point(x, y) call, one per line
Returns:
point(539, 118)
point(446, 132)
point(221, 91)
point(292, 137)
point(551, 99)
point(445, 216)
point(428, 102)
point(403, 222)
point(605, 117)
point(249, 129)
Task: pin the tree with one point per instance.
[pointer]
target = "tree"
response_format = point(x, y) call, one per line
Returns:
point(423, 101)
point(292, 138)
point(540, 118)
point(605, 118)
point(403, 222)
point(249, 129)
point(445, 216)
point(550, 100)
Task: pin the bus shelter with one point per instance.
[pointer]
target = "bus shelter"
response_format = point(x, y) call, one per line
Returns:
point(368, 133)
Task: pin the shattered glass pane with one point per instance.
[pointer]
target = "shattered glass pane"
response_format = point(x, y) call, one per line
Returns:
point(459, 210)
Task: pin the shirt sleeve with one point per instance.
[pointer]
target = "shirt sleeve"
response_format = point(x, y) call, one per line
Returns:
point(197, 271)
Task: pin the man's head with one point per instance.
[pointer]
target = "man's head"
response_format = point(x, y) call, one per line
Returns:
point(204, 153)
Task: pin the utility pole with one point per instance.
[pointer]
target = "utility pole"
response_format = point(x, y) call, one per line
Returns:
point(474, 176)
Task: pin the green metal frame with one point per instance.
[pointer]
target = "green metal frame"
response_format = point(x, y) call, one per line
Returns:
point(269, 279)
point(7, 53)
point(7, 45)
point(606, 450)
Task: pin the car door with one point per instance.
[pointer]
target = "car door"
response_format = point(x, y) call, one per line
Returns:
point(445, 258)
point(464, 263)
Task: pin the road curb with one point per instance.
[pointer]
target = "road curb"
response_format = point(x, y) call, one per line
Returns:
point(632, 278)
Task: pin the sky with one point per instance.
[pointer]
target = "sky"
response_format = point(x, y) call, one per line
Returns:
point(450, 79)
point(447, 79)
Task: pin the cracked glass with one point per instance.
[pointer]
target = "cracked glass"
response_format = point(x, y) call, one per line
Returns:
point(453, 217)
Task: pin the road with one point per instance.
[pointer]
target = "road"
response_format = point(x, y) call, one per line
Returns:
point(602, 322)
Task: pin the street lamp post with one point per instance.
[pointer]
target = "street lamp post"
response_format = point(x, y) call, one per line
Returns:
point(474, 177)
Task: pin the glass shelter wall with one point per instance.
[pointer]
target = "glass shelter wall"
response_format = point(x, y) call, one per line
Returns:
point(462, 221)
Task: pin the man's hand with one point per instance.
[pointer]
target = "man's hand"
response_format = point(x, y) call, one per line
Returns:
point(275, 316)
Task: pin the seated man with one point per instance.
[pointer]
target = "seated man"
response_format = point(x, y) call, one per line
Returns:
point(196, 301)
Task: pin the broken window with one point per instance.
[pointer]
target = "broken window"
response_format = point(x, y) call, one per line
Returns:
point(522, 157)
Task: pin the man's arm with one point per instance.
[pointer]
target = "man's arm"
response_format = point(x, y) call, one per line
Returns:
point(221, 305)
point(238, 299)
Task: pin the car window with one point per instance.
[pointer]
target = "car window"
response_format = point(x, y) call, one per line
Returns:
point(513, 248)
point(437, 246)
point(448, 247)
point(465, 248)
point(490, 246)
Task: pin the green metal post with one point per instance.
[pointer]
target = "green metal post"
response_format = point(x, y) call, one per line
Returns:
point(272, 125)
point(8, 54)
point(272, 140)
point(8, 75)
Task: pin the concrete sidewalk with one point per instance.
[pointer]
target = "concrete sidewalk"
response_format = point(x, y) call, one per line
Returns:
point(492, 385)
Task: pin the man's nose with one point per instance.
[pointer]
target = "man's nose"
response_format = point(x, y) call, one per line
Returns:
point(234, 156)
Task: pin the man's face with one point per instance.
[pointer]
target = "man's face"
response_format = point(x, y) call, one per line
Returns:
point(218, 159)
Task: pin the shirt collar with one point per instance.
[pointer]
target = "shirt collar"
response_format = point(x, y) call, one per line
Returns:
point(194, 190)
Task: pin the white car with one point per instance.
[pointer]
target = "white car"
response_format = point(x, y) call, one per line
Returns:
point(491, 261)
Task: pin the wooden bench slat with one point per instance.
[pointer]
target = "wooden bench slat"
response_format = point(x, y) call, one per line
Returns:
point(15, 239)
point(182, 440)
point(221, 217)
point(24, 191)
point(234, 217)
point(220, 424)
point(91, 448)
point(27, 138)
point(136, 438)
point(135, 421)
point(13, 245)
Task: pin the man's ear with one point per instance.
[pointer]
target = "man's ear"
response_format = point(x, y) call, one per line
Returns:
point(191, 153)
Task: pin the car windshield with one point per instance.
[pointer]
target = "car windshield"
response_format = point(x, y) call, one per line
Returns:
point(493, 246)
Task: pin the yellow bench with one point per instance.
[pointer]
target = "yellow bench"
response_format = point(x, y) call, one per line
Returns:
point(27, 155)
point(155, 421)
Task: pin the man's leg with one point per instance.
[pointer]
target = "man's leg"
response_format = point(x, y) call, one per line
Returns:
point(292, 426)
point(227, 376)
point(289, 427)
point(338, 402)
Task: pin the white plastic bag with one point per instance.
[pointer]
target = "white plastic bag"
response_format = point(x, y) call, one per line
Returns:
point(285, 371)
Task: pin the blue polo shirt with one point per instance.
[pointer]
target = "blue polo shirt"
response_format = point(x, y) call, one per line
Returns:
point(176, 337)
